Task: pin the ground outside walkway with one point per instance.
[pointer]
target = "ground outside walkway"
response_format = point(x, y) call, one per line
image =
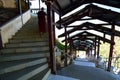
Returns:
point(82, 69)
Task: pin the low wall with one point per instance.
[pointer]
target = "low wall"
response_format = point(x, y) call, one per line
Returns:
point(10, 28)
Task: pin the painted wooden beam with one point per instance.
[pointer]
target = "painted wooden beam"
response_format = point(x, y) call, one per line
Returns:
point(50, 32)
point(111, 48)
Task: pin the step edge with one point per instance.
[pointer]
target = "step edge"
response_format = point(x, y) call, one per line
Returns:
point(36, 71)
point(22, 66)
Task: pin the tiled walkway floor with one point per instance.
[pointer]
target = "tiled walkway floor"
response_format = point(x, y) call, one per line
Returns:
point(81, 69)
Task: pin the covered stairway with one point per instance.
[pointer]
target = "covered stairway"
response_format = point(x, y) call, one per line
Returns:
point(88, 25)
point(26, 55)
point(82, 69)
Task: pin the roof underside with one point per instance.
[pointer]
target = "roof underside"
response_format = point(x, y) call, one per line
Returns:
point(85, 38)
point(68, 5)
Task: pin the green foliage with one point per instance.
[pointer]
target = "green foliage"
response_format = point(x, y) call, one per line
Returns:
point(60, 45)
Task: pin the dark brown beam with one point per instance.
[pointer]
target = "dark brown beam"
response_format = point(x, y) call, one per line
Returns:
point(68, 20)
point(98, 49)
point(1, 44)
point(55, 9)
point(90, 34)
point(28, 4)
point(93, 27)
point(74, 5)
point(50, 31)
point(58, 4)
point(75, 18)
point(82, 39)
point(71, 2)
point(82, 2)
point(65, 63)
point(111, 48)
point(86, 10)
point(100, 24)
point(53, 18)
point(89, 26)
point(85, 19)
point(95, 48)
point(65, 40)
point(108, 2)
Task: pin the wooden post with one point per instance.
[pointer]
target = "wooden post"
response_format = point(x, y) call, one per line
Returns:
point(39, 4)
point(111, 47)
point(104, 37)
point(60, 18)
point(53, 27)
point(65, 47)
point(98, 50)
point(50, 31)
point(28, 4)
point(70, 46)
point(65, 40)
point(95, 48)
point(91, 52)
point(1, 44)
point(20, 10)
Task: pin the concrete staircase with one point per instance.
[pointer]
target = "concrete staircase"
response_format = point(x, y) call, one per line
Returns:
point(26, 55)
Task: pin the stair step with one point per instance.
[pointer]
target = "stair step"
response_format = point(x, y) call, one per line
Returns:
point(25, 56)
point(28, 37)
point(26, 34)
point(46, 76)
point(26, 40)
point(27, 49)
point(28, 31)
point(11, 66)
point(12, 57)
point(25, 74)
point(41, 76)
point(26, 44)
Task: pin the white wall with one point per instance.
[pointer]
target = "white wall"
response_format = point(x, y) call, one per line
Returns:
point(10, 28)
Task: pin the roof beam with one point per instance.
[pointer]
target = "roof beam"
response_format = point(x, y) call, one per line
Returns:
point(90, 34)
point(58, 4)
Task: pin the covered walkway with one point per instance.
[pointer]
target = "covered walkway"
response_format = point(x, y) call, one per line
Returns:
point(82, 69)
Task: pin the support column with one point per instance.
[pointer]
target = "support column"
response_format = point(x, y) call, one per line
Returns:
point(91, 52)
point(1, 44)
point(65, 47)
point(98, 50)
point(104, 37)
point(95, 48)
point(50, 32)
point(53, 14)
point(60, 18)
point(39, 4)
point(70, 46)
point(28, 4)
point(111, 48)
point(20, 10)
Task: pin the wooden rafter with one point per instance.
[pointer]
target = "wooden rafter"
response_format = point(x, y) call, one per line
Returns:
point(77, 3)
point(90, 34)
